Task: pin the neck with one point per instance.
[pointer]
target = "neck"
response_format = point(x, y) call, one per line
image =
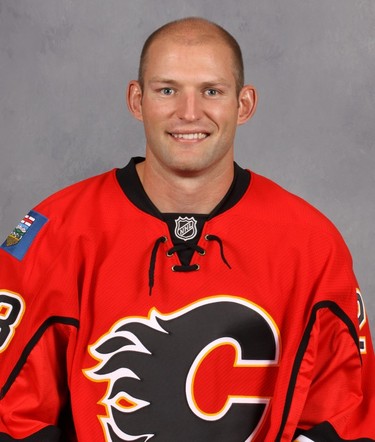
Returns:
point(186, 194)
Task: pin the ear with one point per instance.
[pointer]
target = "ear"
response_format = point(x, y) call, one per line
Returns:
point(247, 103)
point(134, 99)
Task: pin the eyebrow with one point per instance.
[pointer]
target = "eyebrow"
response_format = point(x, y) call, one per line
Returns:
point(163, 80)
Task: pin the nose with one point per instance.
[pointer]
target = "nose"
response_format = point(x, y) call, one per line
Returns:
point(189, 106)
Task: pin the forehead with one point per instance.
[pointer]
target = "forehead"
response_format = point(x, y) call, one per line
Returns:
point(202, 55)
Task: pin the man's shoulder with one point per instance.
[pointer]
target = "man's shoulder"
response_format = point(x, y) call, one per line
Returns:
point(79, 195)
point(81, 206)
point(277, 204)
point(62, 216)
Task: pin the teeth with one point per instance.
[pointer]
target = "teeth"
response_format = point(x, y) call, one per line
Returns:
point(195, 136)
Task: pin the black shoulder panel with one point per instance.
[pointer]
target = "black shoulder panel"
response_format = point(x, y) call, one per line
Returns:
point(29, 347)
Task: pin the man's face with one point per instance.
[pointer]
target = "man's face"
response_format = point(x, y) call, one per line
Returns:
point(189, 106)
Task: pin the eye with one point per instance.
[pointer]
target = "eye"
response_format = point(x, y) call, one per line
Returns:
point(166, 91)
point(211, 92)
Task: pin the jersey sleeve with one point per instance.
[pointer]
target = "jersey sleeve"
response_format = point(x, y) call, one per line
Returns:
point(335, 362)
point(340, 404)
point(38, 325)
point(331, 392)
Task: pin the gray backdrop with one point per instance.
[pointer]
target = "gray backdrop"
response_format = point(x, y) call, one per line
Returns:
point(64, 66)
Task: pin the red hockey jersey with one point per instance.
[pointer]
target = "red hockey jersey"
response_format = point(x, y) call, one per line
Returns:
point(118, 323)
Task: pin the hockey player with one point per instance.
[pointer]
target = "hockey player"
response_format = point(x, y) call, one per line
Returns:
point(182, 297)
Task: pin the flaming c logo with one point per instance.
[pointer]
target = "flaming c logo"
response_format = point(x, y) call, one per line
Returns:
point(202, 373)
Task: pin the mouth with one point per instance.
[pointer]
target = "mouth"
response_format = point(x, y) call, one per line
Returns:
point(189, 136)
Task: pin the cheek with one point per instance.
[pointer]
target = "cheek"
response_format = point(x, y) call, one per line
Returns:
point(155, 107)
point(155, 117)
point(225, 114)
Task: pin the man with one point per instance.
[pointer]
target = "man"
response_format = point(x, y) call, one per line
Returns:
point(183, 298)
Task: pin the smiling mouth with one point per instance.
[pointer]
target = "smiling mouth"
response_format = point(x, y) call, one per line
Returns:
point(190, 136)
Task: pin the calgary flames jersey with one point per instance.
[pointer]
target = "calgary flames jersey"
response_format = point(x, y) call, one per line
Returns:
point(120, 323)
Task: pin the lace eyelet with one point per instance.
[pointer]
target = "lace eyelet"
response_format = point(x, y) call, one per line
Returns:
point(169, 255)
point(176, 267)
point(202, 253)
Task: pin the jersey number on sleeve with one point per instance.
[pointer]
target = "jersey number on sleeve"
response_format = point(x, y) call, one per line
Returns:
point(12, 307)
point(361, 320)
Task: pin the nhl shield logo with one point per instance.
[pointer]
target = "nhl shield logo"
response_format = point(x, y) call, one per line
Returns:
point(186, 228)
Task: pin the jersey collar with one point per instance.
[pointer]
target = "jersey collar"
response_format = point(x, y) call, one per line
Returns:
point(132, 187)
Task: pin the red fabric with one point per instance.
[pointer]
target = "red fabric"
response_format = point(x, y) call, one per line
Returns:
point(89, 263)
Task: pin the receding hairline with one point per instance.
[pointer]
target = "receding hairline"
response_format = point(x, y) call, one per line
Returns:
point(194, 31)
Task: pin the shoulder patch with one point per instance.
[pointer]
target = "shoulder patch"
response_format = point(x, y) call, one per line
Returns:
point(23, 235)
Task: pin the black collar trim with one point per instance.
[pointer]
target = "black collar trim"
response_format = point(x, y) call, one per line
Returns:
point(132, 187)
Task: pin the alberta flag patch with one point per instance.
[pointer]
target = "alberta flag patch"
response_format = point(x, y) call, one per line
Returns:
point(22, 236)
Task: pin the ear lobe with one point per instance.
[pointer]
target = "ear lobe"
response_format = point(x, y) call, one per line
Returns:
point(246, 104)
point(134, 99)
